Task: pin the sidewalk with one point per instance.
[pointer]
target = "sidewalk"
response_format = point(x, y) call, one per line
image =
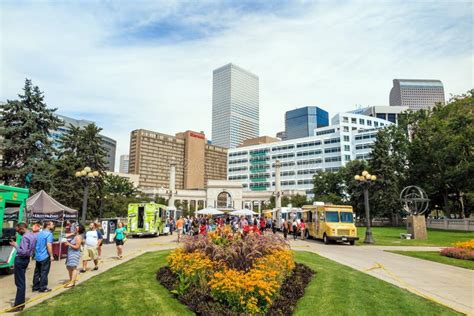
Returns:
point(58, 274)
point(444, 284)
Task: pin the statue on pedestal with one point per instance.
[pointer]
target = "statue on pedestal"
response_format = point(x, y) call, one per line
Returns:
point(415, 203)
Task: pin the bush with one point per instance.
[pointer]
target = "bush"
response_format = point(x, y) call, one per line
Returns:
point(458, 253)
point(226, 274)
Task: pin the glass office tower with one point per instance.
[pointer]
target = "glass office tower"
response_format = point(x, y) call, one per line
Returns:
point(302, 122)
point(235, 106)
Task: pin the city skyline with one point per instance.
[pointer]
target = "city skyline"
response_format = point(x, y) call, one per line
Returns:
point(127, 68)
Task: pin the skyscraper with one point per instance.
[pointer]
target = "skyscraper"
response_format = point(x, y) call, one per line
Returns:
point(123, 168)
point(416, 93)
point(235, 106)
point(109, 144)
point(302, 122)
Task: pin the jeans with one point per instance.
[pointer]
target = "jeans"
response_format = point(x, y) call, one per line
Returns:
point(40, 278)
point(21, 263)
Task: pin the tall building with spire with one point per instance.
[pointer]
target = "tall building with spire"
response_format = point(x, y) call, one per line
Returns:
point(235, 106)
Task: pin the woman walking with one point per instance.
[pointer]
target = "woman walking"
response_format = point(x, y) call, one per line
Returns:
point(295, 229)
point(74, 255)
point(120, 234)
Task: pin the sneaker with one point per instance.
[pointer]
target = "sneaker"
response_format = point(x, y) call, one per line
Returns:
point(95, 268)
point(16, 309)
point(45, 290)
point(82, 271)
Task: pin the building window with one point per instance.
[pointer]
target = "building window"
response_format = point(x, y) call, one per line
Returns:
point(347, 148)
point(345, 119)
point(361, 121)
point(369, 122)
point(347, 157)
point(346, 138)
point(392, 117)
point(380, 116)
point(376, 124)
point(353, 120)
point(346, 128)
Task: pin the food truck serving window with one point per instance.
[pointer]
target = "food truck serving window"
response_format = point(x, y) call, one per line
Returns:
point(10, 217)
point(332, 217)
point(347, 217)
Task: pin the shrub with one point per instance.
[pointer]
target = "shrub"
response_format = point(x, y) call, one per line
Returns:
point(458, 253)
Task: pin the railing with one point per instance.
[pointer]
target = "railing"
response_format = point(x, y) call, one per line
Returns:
point(258, 154)
point(259, 179)
point(260, 188)
point(466, 224)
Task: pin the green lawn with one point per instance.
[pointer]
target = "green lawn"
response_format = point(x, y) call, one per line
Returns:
point(435, 256)
point(390, 236)
point(131, 289)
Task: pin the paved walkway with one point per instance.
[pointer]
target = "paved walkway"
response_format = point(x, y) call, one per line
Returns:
point(451, 286)
point(445, 284)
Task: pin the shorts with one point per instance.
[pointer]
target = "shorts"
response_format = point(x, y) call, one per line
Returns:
point(180, 230)
point(90, 254)
point(119, 242)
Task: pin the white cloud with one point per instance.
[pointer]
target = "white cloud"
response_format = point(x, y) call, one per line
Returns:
point(334, 57)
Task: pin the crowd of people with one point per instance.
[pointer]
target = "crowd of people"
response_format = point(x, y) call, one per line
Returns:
point(37, 244)
point(201, 225)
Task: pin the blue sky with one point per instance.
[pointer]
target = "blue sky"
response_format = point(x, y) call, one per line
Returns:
point(148, 64)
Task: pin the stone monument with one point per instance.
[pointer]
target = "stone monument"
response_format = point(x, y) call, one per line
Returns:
point(415, 203)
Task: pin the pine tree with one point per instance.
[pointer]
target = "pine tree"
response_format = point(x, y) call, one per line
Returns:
point(27, 147)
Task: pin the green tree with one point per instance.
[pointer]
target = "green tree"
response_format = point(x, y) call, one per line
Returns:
point(298, 200)
point(441, 151)
point(388, 162)
point(27, 148)
point(328, 187)
point(79, 148)
point(351, 186)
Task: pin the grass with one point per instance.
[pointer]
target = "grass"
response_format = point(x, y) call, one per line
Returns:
point(436, 257)
point(390, 236)
point(131, 289)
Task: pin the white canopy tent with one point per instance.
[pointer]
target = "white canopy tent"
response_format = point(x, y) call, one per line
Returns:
point(209, 211)
point(243, 212)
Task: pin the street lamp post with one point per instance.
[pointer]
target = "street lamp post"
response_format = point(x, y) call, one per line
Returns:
point(85, 175)
point(365, 180)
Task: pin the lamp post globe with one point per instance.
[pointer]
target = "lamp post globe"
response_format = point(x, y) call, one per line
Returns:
point(364, 173)
point(95, 173)
point(87, 169)
point(356, 177)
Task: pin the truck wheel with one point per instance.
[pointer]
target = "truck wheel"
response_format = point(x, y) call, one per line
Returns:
point(325, 239)
point(352, 242)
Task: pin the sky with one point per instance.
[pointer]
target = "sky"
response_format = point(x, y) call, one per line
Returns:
point(148, 64)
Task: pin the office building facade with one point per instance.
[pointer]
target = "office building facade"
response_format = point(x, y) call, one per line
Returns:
point(384, 112)
point(109, 144)
point(350, 136)
point(301, 122)
point(123, 167)
point(416, 94)
point(196, 161)
point(235, 106)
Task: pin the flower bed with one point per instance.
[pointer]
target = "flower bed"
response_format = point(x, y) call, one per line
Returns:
point(226, 274)
point(461, 250)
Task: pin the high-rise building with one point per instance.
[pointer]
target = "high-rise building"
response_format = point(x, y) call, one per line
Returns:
point(196, 161)
point(301, 122)
point(349, 137)
point(235, 106)
point(123, 168)
point(384, 112)
point(109, 144)
point(416, 93)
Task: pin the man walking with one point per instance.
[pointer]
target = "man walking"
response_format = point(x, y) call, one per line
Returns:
point(93, 240)
point(22, 259)
point(43, 257)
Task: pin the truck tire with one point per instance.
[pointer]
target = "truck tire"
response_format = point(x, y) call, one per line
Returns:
point(352, 242)
point(325, 239)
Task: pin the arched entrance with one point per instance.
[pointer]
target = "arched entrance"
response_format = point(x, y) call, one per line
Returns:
point(224, 200)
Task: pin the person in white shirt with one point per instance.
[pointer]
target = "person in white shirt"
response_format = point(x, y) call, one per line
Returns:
point(92, 242)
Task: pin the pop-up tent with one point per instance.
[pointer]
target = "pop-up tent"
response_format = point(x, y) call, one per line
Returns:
point(43, 207)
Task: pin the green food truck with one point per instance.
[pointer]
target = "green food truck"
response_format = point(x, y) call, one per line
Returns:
point(12, 211)
point(146, 219)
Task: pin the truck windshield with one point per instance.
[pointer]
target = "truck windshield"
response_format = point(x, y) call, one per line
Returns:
point(332, 217)
point(347, 217)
